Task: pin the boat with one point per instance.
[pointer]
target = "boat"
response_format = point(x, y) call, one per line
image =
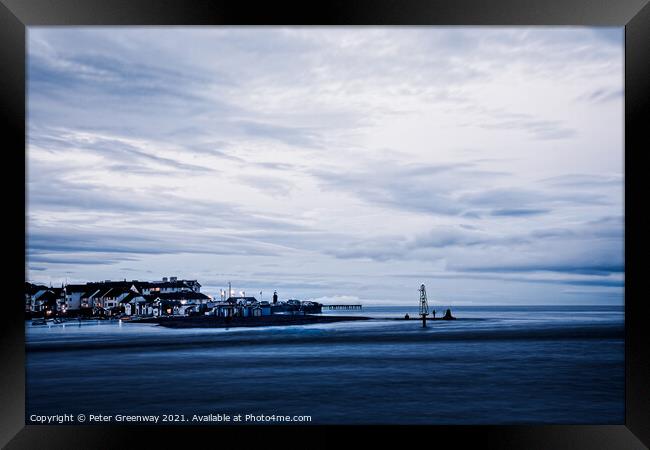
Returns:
point(39, 322)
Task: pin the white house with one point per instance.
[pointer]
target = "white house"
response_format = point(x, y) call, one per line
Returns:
point(134, 304)
point(88, 298)
point(73, 293)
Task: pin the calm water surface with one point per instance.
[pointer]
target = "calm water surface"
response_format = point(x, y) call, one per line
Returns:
point(499, 365)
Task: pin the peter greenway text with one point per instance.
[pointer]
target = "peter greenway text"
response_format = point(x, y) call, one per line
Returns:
point(165, 418)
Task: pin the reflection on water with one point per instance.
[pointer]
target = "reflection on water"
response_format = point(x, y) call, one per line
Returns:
point(493, 365)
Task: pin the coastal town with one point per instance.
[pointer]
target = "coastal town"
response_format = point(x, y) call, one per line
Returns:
point(179, 303)
point(134, 300)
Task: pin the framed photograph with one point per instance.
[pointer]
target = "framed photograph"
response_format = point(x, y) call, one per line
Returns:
point(356, 216)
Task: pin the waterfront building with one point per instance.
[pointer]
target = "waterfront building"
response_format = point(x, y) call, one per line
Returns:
point(41, 299)
point(32, 292)
point(134, 304)
point(73, 293)
point(223, 309)
point(161, 307)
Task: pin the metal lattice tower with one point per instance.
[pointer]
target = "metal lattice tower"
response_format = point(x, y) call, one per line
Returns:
point(424, 305)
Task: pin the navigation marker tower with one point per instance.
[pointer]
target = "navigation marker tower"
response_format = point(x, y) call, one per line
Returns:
point(424, 305)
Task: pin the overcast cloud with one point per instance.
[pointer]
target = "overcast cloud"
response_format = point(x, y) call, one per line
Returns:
point(331, 163)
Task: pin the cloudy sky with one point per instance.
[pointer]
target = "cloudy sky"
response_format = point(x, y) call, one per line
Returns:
point(331, 163)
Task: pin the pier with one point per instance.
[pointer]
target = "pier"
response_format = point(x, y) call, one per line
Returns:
point(347, 307)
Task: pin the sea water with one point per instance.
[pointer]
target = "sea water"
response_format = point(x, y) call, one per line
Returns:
point(494, 365)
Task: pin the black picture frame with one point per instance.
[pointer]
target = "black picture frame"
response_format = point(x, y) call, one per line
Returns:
point(634, 15)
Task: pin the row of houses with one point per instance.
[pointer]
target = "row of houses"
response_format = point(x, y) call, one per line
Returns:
point(168, 297)
point(113, 297)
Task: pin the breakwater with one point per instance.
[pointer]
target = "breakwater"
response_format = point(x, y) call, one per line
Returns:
point(233, 322)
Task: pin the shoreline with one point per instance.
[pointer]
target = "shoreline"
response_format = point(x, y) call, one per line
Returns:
point(237, 322)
